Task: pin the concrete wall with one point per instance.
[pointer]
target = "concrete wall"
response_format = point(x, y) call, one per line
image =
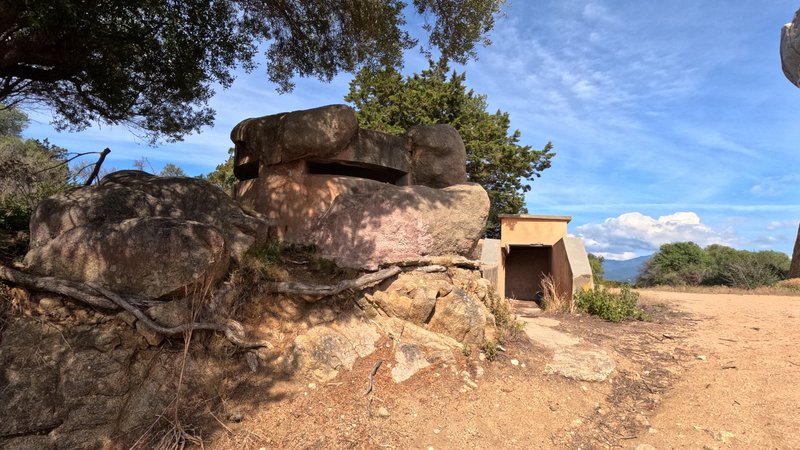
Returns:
point(561, 272)
point(527, 229)
point(579, 264)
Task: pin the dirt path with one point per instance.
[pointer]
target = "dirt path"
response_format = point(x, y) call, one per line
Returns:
point(744, 393)
point(710, 371)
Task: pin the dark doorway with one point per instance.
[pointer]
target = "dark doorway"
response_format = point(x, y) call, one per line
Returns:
point(525, 268)
point(358, 170)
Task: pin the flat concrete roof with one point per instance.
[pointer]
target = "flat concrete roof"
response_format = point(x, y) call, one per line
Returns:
point(535, 217)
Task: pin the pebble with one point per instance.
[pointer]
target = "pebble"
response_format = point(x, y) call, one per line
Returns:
point(482, 356)
point(514, 362)
point(437, 431)
point(312, 385)
point(383, 412)
point(479, 372)
point(701, 357)
point(471, 384)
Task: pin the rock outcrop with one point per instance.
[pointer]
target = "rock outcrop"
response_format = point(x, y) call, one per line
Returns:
point(790, 49)
point(140, 234)
point(794, 269)
point(363, 197)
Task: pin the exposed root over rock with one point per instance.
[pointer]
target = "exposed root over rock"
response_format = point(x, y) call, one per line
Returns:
point(108, 300)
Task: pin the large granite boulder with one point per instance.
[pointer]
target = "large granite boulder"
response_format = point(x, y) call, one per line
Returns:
point(438, 156)
point(151, 257)
point(141, 234)
point(790, 49)
point(364, 229)
point(285, 137)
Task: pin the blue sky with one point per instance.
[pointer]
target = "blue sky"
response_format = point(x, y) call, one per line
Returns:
point(671, 120)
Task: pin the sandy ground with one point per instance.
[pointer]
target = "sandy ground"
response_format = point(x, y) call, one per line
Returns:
point(709, 371)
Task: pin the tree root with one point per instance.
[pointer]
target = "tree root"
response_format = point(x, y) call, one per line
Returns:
point(315, 292)
point(111, 301)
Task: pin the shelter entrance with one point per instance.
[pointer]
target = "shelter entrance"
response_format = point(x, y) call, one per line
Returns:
point(525, 266)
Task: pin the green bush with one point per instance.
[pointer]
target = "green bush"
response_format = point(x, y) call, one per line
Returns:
point(612, 306)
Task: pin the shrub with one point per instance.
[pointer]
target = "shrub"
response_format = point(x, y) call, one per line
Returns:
point(609, 305)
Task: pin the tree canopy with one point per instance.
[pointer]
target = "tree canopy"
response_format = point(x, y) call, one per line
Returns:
point(686, 263)
point(152, 64)
point(29, 170)
point(386, 101)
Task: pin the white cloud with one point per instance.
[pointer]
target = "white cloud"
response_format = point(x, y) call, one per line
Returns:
point(775, 186)
point(633, 234)
point(778, 224)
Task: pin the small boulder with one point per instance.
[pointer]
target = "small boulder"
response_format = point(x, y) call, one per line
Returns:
point(462, 317)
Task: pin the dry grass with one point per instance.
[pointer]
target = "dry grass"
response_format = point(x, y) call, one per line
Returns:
point(553, 299)
point(790, 287)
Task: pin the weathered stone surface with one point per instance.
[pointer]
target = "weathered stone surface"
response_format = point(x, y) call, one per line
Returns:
point(285, 137)
point(438, 156)
point(581, 365)
point(364, 229)
point(324, 350)
point(411, 358)
point(794, 269)
point(88, 386)
point(407, 332)
point(463, 317)
point(377, 149)
point(130, 194)
point(152, 256)
point(412, 296)
point(790, 43)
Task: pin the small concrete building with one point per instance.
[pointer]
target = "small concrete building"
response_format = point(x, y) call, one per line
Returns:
point(532, 247)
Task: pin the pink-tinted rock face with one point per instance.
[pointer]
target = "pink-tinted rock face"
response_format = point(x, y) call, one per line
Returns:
point(364, 198)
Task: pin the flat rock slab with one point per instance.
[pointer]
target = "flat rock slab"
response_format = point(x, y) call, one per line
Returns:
point(582, 365)
point(548, 337)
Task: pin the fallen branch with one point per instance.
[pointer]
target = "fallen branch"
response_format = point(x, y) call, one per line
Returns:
point(233, 330)
point(320, 291)
point(372, 374)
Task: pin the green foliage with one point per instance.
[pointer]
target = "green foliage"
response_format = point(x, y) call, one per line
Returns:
point(264, 262)
point(30, 170)
point(171, 170)
point(596, 263)
point(680, 263)
point(686, 263)
point(609, 305)
point(152, 64)
point(386, 101)
point(223, 176)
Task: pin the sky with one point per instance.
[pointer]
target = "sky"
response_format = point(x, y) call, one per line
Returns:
point(671, 120)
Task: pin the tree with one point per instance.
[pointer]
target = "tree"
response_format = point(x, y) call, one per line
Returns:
point(386, 101)
point(679, 263)
point(29, 170)
point(171, 170)
point(596, 263)
point(151, 64)
point(223, 176)
point(684, 263)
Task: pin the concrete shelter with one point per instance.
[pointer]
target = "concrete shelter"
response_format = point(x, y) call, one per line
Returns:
point(532, 247)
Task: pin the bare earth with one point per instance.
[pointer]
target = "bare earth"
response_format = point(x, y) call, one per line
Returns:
point(710, 371)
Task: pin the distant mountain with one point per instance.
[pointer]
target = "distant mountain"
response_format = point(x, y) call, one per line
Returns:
point(626, 270)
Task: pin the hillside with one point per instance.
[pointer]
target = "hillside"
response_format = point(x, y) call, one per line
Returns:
point(624, 270)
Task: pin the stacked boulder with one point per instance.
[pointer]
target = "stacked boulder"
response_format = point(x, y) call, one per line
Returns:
point(363, 198)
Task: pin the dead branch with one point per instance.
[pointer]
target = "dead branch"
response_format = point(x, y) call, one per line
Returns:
point(233, 330)
point(97, 165)
point(317, 291)
point(372, 375)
